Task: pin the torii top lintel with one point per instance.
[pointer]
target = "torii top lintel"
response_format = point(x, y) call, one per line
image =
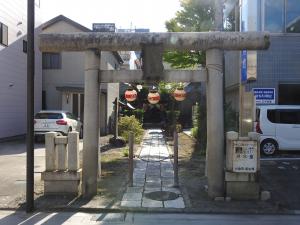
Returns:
point(56, 42)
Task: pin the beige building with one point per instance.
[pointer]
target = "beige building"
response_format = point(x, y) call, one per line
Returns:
point(63, 76)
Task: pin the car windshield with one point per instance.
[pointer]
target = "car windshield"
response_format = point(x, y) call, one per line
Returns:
point(48, 116)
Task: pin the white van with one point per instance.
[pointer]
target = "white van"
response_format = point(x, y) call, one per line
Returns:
point(279, 126)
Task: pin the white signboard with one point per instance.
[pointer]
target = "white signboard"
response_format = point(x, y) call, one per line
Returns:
point(245, 156)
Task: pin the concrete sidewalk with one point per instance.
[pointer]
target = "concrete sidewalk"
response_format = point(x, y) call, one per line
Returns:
point(153, 177)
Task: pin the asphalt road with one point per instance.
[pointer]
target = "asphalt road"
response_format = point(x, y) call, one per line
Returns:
point(7, 218)
point(13, 169)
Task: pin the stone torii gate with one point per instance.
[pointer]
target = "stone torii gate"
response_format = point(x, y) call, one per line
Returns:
point(153, 45)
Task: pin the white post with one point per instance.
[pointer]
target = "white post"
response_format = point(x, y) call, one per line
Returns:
point(91, 124)
point(73, 151)
point(61, 148)
point(50, 151)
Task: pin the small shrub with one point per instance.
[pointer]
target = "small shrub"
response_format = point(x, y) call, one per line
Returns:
point(194, 132)
point(130, 124)
point(125, 152)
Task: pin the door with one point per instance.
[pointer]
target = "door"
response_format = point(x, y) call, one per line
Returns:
point(288, 129)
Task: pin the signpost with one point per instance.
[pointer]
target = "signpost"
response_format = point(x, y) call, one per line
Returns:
point(245, 156)
point(264, 95)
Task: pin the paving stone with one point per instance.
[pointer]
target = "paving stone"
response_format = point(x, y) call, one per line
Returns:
point(153, 179)
point(177, 203)
point(134, 189)
point(171, 189)
point(152, 184)
point(139, 175)
point(131, 203)
point(149, 190)
point(169, 174)
point(132, 197)
point(167, 183)
point(149, 203)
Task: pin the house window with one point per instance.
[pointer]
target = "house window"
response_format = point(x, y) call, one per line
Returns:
point(282, 16)
point(24, 46)
point(51, 60)
point(293, 16)
point(274, 16)
point(3, 34)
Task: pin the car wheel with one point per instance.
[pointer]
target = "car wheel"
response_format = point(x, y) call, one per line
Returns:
point(268, 147)
point(81, 133)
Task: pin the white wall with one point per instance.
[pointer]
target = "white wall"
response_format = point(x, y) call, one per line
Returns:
point(13, 69)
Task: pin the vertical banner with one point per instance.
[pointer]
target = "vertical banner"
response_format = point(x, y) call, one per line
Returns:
point(244, 66)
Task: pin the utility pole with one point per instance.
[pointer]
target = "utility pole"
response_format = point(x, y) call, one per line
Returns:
point(30, 108)
point(215, 113)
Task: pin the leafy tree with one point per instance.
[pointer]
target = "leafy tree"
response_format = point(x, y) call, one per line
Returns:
point(195, 16)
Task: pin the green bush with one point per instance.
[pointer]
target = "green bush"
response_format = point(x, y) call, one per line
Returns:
point(138, 113)
point(194, 132)
point(130, 124)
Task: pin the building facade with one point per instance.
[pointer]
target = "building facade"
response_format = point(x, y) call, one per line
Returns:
point(13, 67)
point(273, 75)
point(63, 76)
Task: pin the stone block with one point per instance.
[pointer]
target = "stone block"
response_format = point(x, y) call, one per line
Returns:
point(232, 135)
point(177, 203)
point(61, 182)
point(253, 136)
point(61, 140)
point(132, 196)
point(265, 195)
point(50, 151)
point(242, 190)
point(219, 199)
point(149, 203)
point(251, 177)
point(73, 151)
point(61, 152)
point(133, 204)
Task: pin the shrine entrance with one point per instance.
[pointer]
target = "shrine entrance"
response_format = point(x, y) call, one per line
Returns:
point(153, 45)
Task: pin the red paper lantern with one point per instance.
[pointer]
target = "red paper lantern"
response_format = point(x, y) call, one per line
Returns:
point(153, 97)
point(179, 94)
point(130, 95)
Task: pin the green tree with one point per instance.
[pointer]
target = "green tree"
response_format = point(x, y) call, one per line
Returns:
point(194, 16)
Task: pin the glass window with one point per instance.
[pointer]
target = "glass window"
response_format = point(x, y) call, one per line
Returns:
point(289, 116)
point(274, 16)
point(48, 116)
point(3, 34)
point(51, 60)
point(271, 115)
point(293, 16)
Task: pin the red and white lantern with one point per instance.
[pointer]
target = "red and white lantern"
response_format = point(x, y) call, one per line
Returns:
point(179, 94)
point(153, 97)
point(130, 95)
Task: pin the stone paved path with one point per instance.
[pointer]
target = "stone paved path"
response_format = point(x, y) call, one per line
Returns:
point(153, 172)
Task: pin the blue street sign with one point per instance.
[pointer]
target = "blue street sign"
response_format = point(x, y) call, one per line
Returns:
point(244, 66)
point(264, 95)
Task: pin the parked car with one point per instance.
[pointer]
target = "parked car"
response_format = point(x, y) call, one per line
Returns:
point(57, 121)
point(279, 126)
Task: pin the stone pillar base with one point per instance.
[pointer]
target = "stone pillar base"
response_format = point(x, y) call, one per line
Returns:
point(242, 186)
point(61, 182)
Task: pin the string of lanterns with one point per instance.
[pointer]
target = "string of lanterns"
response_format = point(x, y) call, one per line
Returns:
point(153, 97)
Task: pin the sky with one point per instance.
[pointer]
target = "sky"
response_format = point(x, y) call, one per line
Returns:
point(124, 13)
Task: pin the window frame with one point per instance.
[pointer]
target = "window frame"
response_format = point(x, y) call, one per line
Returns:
point(1, 34)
